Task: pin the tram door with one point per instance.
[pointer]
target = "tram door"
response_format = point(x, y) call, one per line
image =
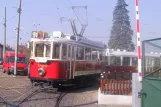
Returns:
point(71, 61)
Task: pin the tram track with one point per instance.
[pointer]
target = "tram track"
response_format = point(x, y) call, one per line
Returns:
point(59, 99)
point(35, 92)
point(56, 96)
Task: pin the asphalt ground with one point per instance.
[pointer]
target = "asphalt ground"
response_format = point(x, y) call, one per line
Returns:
point(15, 89)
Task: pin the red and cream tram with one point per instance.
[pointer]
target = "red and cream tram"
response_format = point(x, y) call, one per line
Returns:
point(117, 61)
point(60, 58)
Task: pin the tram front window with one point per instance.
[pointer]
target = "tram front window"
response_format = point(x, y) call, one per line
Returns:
point(48, 50)
point(42, 50)
point(64, 51)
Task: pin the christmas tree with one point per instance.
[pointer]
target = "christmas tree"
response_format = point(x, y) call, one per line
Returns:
point(121, 32)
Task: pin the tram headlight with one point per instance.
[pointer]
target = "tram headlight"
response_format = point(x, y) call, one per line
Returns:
point(41, 72)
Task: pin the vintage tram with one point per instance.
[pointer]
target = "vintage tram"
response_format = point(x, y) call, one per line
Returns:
point(64, 59)
point(118, 61)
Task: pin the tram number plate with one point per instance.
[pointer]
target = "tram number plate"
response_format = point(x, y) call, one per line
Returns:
point(42, 65)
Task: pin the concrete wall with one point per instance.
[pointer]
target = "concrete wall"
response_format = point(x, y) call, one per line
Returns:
point(136, 87)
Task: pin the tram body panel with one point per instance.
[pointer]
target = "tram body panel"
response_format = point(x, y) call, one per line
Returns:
point(58, 69)
point(88, 68)
point(53, 70)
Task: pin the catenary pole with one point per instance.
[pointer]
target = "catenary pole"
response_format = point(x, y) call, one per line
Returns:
point(18, 32)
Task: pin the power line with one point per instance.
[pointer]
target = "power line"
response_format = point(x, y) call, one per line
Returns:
point(77, 17)
point(9, 19)
point(95, 37)
point(80, 17)
point(57, 9)
point(12, 18)
point(76, 14)
point(70, 2)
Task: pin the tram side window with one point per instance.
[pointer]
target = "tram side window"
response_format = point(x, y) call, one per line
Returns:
point(147, 61)
point(115, 60)
point(94, 54)
point(73, 54)
point(56, 52)
point(156, 62)
point(106, 60)
point(134, 61)
point(101, 57)
point(87, 53)
point(69, 49)
point(80, 53)
point(126, 61)
point(39, 50)
point(64, 51)
point(48, 46)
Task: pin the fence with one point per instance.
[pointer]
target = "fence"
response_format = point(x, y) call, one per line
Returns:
point(116, 83)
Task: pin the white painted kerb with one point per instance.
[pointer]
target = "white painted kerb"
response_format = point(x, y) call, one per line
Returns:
point(114, 99)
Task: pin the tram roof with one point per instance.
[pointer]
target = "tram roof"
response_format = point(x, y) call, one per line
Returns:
point(58, 36)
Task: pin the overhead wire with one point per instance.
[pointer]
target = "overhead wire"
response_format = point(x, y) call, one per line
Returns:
point(9, 19)
point(70, 2)
point(57, 9)
point(77, 17)
point(12, 17)
point(75, 12)
point(85, 20)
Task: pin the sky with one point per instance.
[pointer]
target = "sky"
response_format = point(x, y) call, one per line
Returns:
point(46, 15)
